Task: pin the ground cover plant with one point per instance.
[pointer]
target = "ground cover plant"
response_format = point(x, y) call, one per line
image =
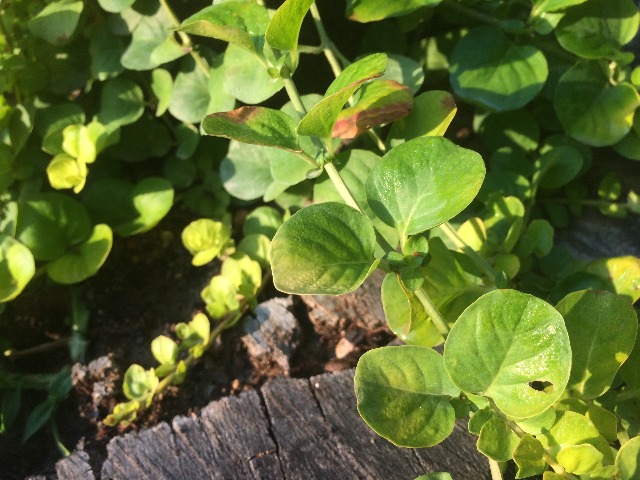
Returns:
point(103, 110)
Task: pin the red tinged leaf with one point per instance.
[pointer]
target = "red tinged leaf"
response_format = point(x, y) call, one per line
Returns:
point(381, 102)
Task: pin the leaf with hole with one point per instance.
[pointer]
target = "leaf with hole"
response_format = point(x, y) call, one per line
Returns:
point(403, 395)
point(323, 249)
point(513, 348)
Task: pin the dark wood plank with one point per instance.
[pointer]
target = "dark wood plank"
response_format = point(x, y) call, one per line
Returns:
point(225, 440)
point(149, 454)
point(75, 467)
point(456, 455)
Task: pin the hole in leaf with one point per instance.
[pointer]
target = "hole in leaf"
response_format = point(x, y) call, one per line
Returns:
point(542, 386)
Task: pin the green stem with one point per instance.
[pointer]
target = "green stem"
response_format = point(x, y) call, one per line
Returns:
point(310, 49)
point(496, 473)
point(340, 186)
point(327, 45)
point(434, 314)
point(56, 436)
point(293, 94)
point(185, 40)
point(460, 244)
point(45, 347)
point(628, 395)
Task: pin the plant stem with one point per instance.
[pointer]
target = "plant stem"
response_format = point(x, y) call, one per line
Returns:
point(628, 395)
point(496, 473)
point(434, 314)
point(45, 347)
point(293, 94)
point(56, 436)
point(341, 187)
point(326, 44)
point(460, 244)
point(185, 40)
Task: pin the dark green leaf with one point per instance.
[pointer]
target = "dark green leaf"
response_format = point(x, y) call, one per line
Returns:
point(121, 103)
point(56, 22)
point(373, 10)
point(323, 249)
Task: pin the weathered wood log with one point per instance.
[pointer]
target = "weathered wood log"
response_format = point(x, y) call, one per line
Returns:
point(291, 429)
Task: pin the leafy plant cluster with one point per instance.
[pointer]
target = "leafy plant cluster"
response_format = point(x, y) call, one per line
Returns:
point(538, 346)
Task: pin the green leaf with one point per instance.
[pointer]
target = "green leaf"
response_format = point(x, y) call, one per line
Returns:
point(628, 459)
point(246, 77)
point(380, 102)
point(164, 350)
point(123, 413)
point(162, 87)
point(264, 220)
point(139, 384)
point(598, 28)
point(255, 125)
point(50, 223)
point(121, 103)
point(621, 273)
point(239, 23)
point(323, 249)
point(56, 22)
point(406, 316)
point(435, 476)
point(559, 166)
point(40, 415)
point(257, 247)
point(84, 260)
point(194, 333)
point(580, 459)
point(17, 267)
point(284, 27)
point(245, 273)
point(403, 395)
point(537, 424)
point(11, 399)
point(449, 179)
point(503, 345)
point(516, 129)
point(497, 441)
point(152, 199)
point(431, 115)
point(479, 418)
point(584, 96)
point(152, 42)
point(65, 172)
point(115, 6)
point(605, 421)
point(373, 10)
point(404, 70)
point(554, 5)
point(571, 428)
point(205, 239)
point(320, 119)
point(529, 457)
point(245, 171)
point(487, 68)
point(602, 328)
point(106, 50)
point(220, 296)
point(537, 239)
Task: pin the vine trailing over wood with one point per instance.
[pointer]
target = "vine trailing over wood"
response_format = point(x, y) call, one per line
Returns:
point(540, 349)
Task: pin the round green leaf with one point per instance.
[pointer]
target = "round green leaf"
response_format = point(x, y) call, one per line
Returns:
point(17, 267)
point(106, 50)
point(139, 383)
point(152, 199)
point(244, 272)
point(529, 456)
point(504, 346)
point(405, 318)
point(489, 69)
point(83, 261)
point(559, 166)
point(264, 220)
point(50, 223)
point(518, 130)
point(403, 395)
point(422, 183)
point(598, 28)
point(115, 6)
point(257, 247)
point(164, 350)
point(56, 22)
point(205, 239)
point(580, 459)
point(220, 296)
point(121, 103)
point(246, 78)
point(628, 460)
point(590, 109)
point(245, 171)
point(323, 249)
point(602, 329)
point(497, 441)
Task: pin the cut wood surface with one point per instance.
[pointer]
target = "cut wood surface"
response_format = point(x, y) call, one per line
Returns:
point(291, 429)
